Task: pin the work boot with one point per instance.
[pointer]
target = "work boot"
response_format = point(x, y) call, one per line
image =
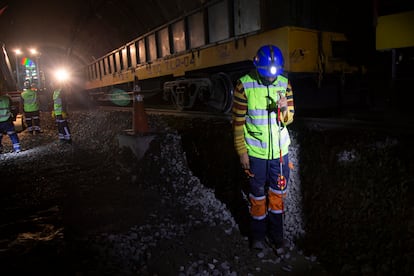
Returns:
point(280, 247)
point(16, 148)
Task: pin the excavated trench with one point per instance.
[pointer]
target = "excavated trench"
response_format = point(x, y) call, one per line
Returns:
point(355, 185)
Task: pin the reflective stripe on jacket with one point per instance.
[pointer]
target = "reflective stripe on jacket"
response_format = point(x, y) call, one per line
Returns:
point(30, 101)
point(261, 130)
point(4, 108)
point(57, 102)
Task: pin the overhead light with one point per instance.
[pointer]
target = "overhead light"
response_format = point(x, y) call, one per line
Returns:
point(62, 75)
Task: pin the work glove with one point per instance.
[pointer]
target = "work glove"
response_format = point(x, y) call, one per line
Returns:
point(53, 114)
point(282, 103)
point(245, 163)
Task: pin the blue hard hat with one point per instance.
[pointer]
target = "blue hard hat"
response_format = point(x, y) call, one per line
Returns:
point(269, 61)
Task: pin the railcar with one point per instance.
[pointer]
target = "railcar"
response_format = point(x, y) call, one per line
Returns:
point(194, 61)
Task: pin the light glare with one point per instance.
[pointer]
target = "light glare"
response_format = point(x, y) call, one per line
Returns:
point(62, 75)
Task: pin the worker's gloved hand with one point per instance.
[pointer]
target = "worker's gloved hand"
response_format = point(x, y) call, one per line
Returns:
point(244, 161)
point(282, 103)
point(53, 114)
point(245, 164)
point(64, 115)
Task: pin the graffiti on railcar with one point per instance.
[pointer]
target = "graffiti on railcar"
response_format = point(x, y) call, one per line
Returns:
point(153, 68)
point(176, 63)
point(170, 65)
point(223, 51)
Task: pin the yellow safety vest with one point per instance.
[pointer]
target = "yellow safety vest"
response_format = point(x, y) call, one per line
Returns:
point(4, 108)
point(57, 102)
point(261, 129)
point(30, 101)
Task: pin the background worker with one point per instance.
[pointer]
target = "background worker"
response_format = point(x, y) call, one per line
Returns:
point(6, 122)
point(260, 139)
point(60, 114)
point(29, 103)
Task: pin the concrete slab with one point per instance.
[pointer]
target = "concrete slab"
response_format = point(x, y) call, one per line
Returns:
point(138, 143)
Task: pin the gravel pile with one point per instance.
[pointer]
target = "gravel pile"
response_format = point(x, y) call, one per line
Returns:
point(92, 208)
point(175, 226)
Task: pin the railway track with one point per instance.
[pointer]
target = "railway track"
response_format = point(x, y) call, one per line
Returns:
point(171, 112)
point(330, 123)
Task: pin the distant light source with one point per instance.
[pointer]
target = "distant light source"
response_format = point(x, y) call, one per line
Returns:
point(273, 70)
point(62, 75)
point(33, 51)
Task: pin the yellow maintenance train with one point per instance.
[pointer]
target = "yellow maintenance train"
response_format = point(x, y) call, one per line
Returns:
point(194, 61)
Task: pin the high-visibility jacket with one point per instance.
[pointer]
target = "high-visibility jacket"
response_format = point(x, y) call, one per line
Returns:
point(57, 102)
point(261, 129)
point(4, 108)
point(30, 100)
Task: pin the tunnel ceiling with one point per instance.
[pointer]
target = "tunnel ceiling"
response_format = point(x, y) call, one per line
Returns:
point(81, 30)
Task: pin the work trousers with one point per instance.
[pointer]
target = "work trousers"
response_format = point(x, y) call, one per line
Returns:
point(32, 120)
point(8, 128)
point(267, 198)
point(63, 128)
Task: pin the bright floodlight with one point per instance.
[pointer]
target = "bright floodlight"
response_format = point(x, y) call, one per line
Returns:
point(33, 51)
point(62, 75)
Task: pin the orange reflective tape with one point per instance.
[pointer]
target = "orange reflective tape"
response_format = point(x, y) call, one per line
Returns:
point(275, 201)
point(257, 207)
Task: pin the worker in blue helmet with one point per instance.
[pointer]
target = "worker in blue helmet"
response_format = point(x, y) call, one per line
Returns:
point(262, 108)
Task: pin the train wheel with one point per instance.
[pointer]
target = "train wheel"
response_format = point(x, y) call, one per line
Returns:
point(221, 97)
point(178, 98)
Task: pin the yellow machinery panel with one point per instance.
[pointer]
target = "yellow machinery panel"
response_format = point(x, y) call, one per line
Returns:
point(395, 31)
point(302, 50)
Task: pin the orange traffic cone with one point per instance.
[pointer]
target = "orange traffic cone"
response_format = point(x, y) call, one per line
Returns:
point(139, 120)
